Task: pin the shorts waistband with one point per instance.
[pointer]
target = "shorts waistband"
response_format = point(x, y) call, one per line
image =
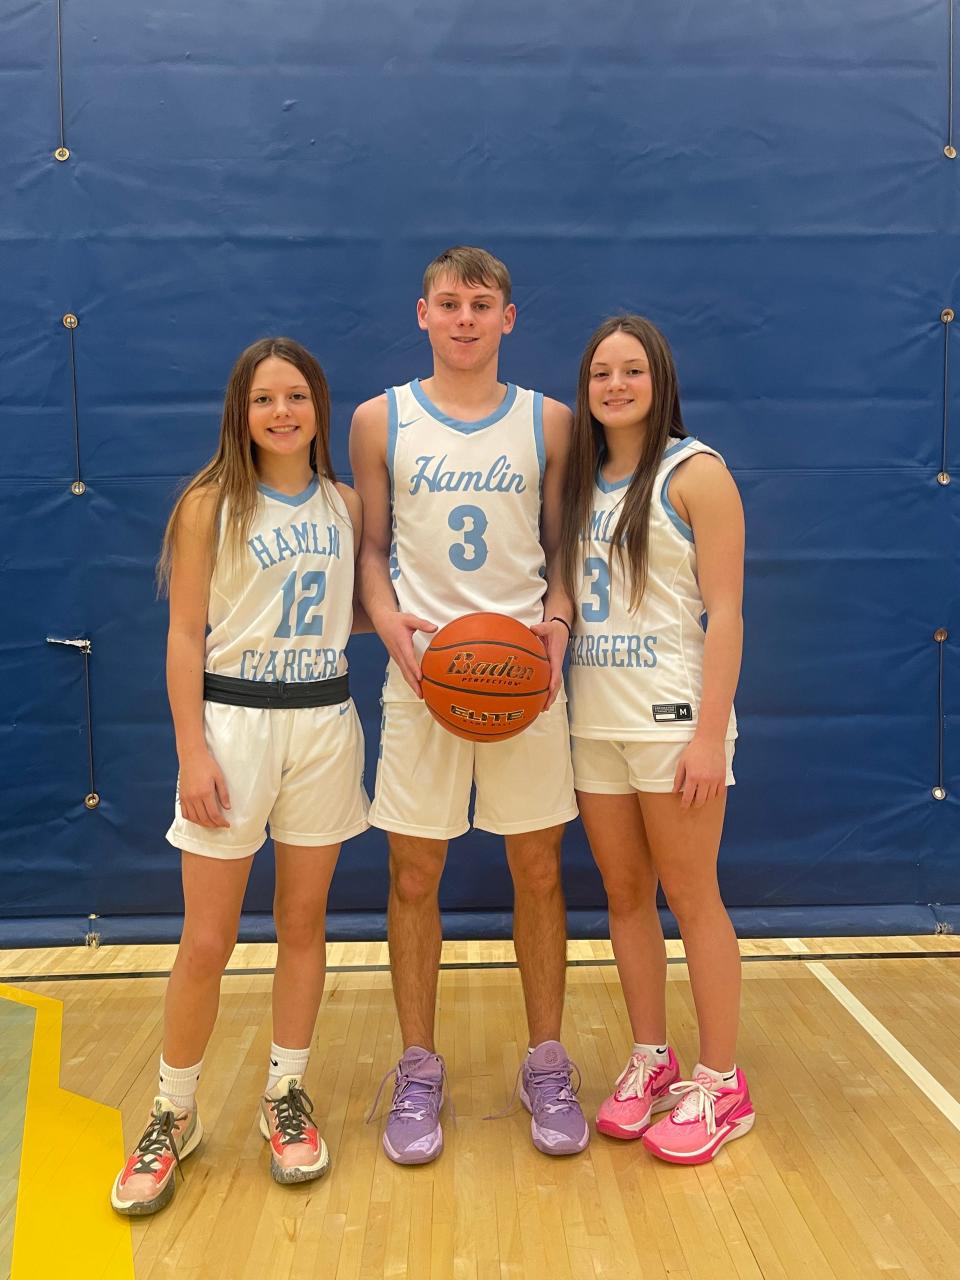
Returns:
point(275, 694)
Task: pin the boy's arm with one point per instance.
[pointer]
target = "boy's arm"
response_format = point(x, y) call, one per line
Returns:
point(368, 459)
point(557, 423)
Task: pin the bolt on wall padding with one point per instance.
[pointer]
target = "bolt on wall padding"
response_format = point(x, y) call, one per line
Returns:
point(70, 323)
point(63, 151)
point(939, 792)
point(92, 799)
point(950, 151)
point(946, 319)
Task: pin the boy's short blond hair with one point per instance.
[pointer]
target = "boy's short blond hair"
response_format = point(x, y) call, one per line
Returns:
point(469, 265)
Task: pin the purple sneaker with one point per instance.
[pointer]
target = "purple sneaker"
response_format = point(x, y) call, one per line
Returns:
point(413, 1134)
point(558, 1125)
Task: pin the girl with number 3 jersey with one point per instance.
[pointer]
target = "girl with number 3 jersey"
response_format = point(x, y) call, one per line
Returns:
point(652, 551)
point(258, 557)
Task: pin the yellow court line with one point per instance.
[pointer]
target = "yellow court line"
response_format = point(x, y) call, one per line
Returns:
point(944, 1101)
point(72, 1150)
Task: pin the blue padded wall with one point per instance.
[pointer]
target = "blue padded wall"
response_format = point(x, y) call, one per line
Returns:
point(766, 181)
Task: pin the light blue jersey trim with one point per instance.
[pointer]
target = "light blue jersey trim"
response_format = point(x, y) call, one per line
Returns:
point(681, 526)
point(538, 434)
point(611, 486)
point(291, 500)
point(424, 401)
point(392, 424)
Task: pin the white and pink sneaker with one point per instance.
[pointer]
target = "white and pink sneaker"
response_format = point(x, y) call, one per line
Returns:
point(642, 1089)
point(708, 1115)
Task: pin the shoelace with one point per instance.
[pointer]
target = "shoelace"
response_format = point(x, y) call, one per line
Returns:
point(699, 1101)
point(158, 1137)
point(632, 1080)
point(292, 1111)
point(558, 1082)
point(412, 1095)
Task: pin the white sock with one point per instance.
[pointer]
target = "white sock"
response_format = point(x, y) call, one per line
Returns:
point(286, 1062)
point(179, 1084)
point(658, 1054)
point(725, 1078)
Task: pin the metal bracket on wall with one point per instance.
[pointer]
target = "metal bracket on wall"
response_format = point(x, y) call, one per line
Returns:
point(92, 799)
point(939, 792)
point(946, 319)
point(70, 322)
point(63, 151)
point(92, 937)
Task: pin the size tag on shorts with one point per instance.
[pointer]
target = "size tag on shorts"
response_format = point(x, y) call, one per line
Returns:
point(672, 711)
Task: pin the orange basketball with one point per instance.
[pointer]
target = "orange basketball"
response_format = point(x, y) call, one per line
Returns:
point(485, 677)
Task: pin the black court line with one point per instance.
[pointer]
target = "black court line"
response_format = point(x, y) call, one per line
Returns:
point(790, 958)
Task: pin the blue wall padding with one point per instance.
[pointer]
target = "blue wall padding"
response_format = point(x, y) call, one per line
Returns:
point(766, 181)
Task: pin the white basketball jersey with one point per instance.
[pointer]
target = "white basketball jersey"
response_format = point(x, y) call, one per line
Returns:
point(639, 674)
point(466, 511)
point(284, 612)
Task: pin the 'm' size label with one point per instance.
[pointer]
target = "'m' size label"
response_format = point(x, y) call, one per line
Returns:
point(672, 711)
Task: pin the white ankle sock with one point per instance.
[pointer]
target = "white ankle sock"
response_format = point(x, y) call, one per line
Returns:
point(658, 1054)
point(725, 1078)
point(286, 1062)
point(179, 1084)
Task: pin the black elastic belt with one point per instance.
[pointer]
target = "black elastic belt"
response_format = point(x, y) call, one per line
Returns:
point(275, 693)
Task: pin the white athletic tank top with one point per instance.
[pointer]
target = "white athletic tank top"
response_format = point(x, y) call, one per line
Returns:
point(285, 611)
point(639, 675)
point(466, 511)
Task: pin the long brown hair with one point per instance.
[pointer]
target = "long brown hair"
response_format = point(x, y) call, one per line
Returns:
point(587, 450)
point(232, 472)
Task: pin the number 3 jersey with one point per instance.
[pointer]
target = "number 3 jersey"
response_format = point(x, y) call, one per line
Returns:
point(638, 674)
point(466, 511)
point(285, 609)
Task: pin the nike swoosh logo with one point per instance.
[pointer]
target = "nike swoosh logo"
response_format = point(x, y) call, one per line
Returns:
point(401, 425)
point(344, 710)
point(274, 1062)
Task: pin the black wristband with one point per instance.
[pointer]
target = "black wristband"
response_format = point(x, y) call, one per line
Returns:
point(556, 618)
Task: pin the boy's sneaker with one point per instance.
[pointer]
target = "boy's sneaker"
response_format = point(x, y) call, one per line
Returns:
point(413, 1134)
point(297, 1152)
point(558, 1125)
point(145, 1183)
point(642, 1089)
point(709, 1115)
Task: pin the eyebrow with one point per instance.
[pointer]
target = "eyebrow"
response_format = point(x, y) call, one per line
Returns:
point(294, 386)
point(480, 297)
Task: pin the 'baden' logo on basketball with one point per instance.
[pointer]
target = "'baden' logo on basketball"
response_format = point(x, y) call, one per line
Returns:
point(507, 670)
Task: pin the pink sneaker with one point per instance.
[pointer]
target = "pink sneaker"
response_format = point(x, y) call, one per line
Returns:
point(642, 1088)
point(707, 1116)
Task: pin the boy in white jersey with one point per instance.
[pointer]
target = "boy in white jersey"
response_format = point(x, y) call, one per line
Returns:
point(461, 479)
point(652, 540)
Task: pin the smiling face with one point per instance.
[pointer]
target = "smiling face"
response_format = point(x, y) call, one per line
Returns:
point(620, 389)
point(280, 410)
point(465, 322)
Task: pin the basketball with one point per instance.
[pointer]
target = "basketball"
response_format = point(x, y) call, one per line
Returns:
point(485, 677)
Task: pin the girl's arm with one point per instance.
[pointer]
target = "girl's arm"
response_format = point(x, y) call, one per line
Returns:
point(704, 494)
point(203, 791)
point(361, 621)
point(557, 422)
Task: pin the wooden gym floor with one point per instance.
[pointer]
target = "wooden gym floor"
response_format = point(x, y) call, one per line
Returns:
point(852, 1047)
